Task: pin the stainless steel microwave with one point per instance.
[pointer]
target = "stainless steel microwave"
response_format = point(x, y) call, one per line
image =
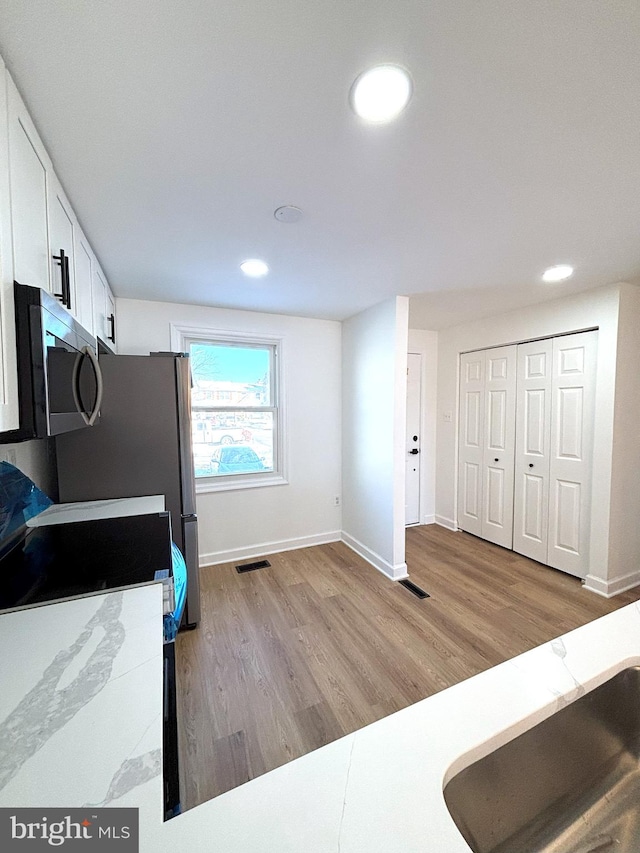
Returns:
point(59, 378)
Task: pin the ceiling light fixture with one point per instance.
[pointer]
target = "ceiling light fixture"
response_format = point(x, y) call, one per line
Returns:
point(254, 268)
point(557, 273)
point(381, 93)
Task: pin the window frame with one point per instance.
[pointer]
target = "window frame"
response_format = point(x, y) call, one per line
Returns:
point(181, 338)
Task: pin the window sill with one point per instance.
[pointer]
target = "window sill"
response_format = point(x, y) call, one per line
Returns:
point(251, 481)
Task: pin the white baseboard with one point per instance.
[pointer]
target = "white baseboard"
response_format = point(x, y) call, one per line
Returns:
point(607, 589)
point(429, 519)
point(263, 549)
point(395, 573)
point(449, 523)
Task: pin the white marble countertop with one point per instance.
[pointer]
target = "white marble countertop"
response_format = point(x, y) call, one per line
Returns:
point(89, 510)
point(81, 704)
point(378, 790)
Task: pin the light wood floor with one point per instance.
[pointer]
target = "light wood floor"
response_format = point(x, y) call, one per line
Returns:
point(289, 658)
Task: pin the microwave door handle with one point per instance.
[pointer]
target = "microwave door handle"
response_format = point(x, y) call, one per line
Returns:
point(75, 381)
point(89, 419)
point(99, 385)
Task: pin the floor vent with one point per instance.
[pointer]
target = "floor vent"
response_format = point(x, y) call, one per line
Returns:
point(420, 593)
point(251, 567)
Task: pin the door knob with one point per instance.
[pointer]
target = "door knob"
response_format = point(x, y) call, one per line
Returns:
point(414, 451)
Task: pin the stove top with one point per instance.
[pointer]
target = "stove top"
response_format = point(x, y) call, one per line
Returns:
point(64, 561)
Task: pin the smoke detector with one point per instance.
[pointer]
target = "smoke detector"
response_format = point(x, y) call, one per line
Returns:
point(288, 213)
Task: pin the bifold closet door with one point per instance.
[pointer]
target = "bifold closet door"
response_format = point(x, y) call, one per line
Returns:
point(486, 444)
point(499, 445)
point(471, 442)
point(533, 435)
point(573, 391)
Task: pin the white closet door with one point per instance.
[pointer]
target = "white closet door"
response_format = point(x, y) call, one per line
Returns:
point(499, 445)
point(573, 390)
point(533, 433)
point(471, 442)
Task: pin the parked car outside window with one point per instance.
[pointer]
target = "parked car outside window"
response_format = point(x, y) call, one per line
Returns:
point(234, 459)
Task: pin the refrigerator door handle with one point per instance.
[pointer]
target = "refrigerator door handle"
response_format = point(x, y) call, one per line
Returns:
point(190, 553)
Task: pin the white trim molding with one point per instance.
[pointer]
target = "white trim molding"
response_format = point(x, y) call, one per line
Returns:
point(449, 523)
point(607, 589)
point(264, 549)
point(428, 519)
point(394, 573)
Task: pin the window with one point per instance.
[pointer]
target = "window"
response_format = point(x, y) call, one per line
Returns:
point(236, 417)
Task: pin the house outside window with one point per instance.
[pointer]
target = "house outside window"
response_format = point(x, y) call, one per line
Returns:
point(236, 408)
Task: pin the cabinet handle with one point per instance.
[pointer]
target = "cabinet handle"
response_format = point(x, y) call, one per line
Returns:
point(530, 464)
point(63, 262)
point(67, 278)
point(112, 319)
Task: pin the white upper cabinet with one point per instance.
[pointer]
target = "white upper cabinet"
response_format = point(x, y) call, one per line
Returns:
point(99, 303)
point(49, 248)
point(61, 243)
point(111, 320)
point(29, 169)
point(84, 263)
point(41, 243)
point(9, 419)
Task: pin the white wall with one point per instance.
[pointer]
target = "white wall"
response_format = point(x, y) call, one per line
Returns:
point(426, 345)
point(595, 308)
point(374, 366)
point(624, 535)
point(250, 522)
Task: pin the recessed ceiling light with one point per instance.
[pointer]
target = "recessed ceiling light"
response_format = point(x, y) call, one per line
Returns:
point(381, 93)
point(557, 273)
point(254, 268)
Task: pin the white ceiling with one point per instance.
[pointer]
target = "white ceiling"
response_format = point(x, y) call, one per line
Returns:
point(178, 127)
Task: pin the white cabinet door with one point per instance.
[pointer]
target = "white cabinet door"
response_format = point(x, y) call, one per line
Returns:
point(533, 428)
point(9, 418)
point(471, 442)
point(573, 390)
point(61, 243)
point(28, 171)
point(84, 280)
point(499, 445)
point(111, 320)
point(99, 303)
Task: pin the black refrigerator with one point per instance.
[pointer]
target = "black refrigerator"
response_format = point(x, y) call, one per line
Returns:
point(142, 446)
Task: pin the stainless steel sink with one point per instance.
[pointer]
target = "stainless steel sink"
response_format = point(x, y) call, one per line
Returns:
point(571, 784)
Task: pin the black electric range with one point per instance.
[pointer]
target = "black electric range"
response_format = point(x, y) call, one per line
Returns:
point(62, 561)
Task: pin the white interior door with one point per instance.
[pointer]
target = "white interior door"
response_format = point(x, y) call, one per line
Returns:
point(471, 442)
point(412, 467)
point(573, 390)
point(499, 445)
point(533, 433)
